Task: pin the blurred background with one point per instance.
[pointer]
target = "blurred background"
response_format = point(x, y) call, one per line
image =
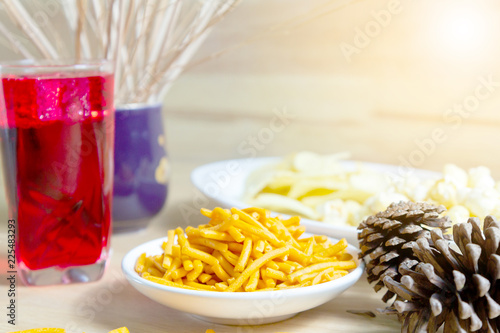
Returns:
point(399, 82)
point(412, 83)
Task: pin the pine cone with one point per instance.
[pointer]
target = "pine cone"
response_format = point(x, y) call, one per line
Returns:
point(458, 288)
point(386, 238)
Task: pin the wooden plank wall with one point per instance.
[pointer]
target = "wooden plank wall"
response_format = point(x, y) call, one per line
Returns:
point(417, 73)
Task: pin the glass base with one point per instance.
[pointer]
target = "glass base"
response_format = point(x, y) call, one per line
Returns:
point(68, 275)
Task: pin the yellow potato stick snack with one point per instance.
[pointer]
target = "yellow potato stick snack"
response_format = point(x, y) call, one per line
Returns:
point(231, 257)
point(167, 261)
point(319, 277)
point(165, 282)
point(245, 251)
point(321, 266)
point(159, 267)
point(306, 284)
point(188, 265)
point(217, 235)
point(268, 247)
point(298, 231)
point(285, 267)
point(317, 239)
point(201, 248)
point(261, 285)
point(294, 264)
point(206, 212)
point(176, 251)
point(220, 272)
point(344, 265)
point(203, 278)
point(236, 234)
point(208, 269)
point(220, 214)
point(256, 254)
point(306, 277)
point(270, 283)
point(334, 275)
point(275, 274)
point(309, 248)
point(224, 225)
point(42, 330)
point(221, 286)
point(344, 257)
point(255, 265)
point(179, 273)
point(297, 256)
point(170, 241)
point(150, 261)
point(318, 259)
point(243, 226)
point(252, 281)
point(273, 265)
point(334, 249)
point(175, 264)
point(235, 247)
point(197, 254)
point(154, 271)
point(224, 263)
point(260, 245)
point(292, 221)
point(61, 330)
point(213, 244)
point(120, 330)
point(247, 218)
point(139, 264)
point(264, 214)
point(245, 254)
point(193, 232)
point(181, 239)
point(200, 286)
point(197, 270)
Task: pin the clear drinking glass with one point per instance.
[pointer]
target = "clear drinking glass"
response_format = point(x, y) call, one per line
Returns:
point(57, 131)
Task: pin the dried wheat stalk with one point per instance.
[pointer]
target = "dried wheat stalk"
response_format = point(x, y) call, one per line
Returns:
point(150, 41)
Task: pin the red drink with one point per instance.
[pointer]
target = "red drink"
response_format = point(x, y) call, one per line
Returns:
point(57, 146)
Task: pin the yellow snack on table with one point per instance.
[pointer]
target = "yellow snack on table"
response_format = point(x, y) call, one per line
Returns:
point(43, 330)
point(245, 250)
point(120, 330)
point(62, 330)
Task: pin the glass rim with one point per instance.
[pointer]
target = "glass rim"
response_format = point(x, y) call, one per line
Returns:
point(47, 66)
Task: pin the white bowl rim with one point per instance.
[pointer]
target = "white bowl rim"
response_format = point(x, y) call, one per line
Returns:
point(130, 258)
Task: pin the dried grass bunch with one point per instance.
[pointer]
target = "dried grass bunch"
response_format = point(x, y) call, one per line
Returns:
point(150, 41)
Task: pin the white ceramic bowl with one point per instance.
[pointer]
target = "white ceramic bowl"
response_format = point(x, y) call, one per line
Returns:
point(226, 183)
point(240, 308)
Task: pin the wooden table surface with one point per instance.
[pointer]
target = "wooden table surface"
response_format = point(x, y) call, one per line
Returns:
point(112, 302)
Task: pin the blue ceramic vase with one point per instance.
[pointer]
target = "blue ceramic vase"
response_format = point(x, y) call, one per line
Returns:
point(141, 166)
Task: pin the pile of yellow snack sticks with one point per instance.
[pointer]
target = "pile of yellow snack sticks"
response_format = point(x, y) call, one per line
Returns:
point(245, 250)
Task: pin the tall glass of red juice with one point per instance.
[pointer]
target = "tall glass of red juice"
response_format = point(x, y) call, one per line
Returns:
point(57, 130)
